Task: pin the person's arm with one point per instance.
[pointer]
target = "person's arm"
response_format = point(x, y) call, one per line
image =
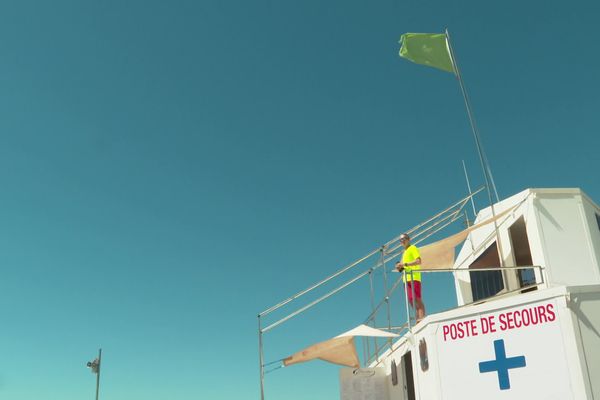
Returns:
point(417, 261)
point(399, 266)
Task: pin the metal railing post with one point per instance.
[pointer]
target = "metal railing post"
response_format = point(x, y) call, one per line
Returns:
point(387, 252)
point(261, 360)
point(406, 299)
point(385, 291)
point(372, 312)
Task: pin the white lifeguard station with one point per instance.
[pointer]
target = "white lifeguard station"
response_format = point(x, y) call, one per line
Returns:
point(529, 333)
point(527, 324)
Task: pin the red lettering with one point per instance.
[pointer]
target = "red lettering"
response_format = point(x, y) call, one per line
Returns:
point(452, 331)
point(484, 323)
point(542, 313)
point(550, 310)
point(459, 330)
point(502, 319)
point(535, 318)
point(510, 319)
point(473, 327)
point(518, 319)
point(526, 317)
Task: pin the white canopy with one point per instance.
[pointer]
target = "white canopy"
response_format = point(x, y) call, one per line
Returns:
point(364, 330)
point(338, 350)
point(440, 254)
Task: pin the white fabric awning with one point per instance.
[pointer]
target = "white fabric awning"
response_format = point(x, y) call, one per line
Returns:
point(338, 350)
point(364, 330)
point(440, 254)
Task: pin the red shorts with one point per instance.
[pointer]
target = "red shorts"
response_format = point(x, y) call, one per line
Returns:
point(413, 287)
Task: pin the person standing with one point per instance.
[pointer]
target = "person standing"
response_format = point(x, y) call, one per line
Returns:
point(411, 262)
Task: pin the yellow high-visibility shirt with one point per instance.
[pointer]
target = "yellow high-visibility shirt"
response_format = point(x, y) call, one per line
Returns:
point(410, 255)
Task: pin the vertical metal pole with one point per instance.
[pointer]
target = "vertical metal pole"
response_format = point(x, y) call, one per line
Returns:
point(372, 295)
point(414, 297)
point(366, 358)
point(482, 159)
point(406, 299)
point(98, 374)
point(261, 360)
point(385, 290)
point(469, 187)
point(374, 315)
point(480, 151)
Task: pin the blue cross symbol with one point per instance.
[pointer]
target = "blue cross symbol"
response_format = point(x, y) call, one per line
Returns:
point(502, 364)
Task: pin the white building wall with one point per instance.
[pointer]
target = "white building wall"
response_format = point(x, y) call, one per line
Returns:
point(482, 238)
point(428, 381)
point(563, 231)
point(585, 308)
point(590, 211)
point(536, 244)
point(562, 354)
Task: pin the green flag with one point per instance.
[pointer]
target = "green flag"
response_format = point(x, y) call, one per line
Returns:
point(428, 49)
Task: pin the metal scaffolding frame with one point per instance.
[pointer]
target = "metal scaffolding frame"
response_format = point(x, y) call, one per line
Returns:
point(367, 265)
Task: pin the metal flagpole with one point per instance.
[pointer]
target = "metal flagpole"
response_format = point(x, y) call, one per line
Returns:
point(474, 129)
point(482, 158)
point(98, 374)
point(469, 187)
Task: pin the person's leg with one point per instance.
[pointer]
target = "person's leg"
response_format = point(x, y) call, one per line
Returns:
point(420, 307)
point(410, 292)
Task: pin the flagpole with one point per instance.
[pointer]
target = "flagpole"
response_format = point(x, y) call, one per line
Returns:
point(469, 187)
point(98, 374)
point(482, 157)
point(487, 173)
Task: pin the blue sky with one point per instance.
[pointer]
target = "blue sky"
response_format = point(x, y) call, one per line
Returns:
point(170, 169)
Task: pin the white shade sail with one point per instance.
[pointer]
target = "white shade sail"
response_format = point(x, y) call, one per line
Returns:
point(440, 254)
point(364, 330)
point(338, 350)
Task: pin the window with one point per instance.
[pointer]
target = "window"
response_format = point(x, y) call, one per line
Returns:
point(526, 277)
point(522, 253)
point(486, 284)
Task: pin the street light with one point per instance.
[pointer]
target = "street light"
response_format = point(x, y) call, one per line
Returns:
point(94, 366)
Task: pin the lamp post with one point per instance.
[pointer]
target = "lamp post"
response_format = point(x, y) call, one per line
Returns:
point(95, 368)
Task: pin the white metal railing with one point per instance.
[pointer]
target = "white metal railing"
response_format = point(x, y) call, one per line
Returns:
point(369, 358)
point(375, 261)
